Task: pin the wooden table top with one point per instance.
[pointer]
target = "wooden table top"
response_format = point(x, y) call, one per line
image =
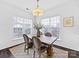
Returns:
point(45, 39)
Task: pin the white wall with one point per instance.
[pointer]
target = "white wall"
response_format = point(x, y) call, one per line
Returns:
point(69, 35)
point(7, 12)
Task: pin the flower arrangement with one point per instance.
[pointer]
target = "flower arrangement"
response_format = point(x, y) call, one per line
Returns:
point(38, 26)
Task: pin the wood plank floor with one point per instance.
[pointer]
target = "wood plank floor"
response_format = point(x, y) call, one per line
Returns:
point(18, 52)
point(6, 54)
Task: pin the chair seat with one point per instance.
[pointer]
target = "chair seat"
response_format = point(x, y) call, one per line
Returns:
point(30, 45)
point(43, 48)
point(48, 34)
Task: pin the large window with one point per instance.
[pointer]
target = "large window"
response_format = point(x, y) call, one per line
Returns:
point(21, 25)
point(52, 25)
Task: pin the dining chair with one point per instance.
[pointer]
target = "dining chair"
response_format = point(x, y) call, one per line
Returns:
point(28, 43)
point(48, 34)
point(38, 47)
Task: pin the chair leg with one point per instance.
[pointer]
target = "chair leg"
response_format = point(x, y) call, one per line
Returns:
point(25, 48)
point(27, 51)
point(39, 55)
point(34, 54)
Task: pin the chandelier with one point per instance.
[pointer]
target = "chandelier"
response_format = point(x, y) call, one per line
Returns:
point(37, 11)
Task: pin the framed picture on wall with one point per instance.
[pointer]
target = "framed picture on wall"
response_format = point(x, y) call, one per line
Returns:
point(68, 21)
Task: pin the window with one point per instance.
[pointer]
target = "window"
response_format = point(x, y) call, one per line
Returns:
point(51, 25)
point(54, 21)
point(21, 25)
point(45, 21)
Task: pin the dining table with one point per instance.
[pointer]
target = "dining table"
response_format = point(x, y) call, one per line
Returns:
point(48, 41)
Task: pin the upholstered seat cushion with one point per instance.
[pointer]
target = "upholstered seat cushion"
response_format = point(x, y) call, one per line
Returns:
point(48, 34)
point(43, 48)
point(30, 45)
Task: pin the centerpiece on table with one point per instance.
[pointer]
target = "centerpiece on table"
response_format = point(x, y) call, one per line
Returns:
point(38, 26)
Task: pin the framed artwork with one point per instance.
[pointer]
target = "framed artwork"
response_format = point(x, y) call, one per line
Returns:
point(68, 21)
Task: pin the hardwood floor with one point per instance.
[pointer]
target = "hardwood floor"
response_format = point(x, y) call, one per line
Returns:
point(18, 52)
point(73, 54)
point(6, 54)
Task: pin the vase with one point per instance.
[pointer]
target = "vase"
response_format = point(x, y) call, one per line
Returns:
point(38, 33)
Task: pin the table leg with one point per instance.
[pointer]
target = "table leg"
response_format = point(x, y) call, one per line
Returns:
point(49, 50)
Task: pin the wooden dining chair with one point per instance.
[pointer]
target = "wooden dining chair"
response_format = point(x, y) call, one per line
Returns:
point(48, 34)
point(28, 43)
point(38, 47)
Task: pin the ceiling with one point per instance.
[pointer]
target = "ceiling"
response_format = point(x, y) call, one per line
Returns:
point(31, 4)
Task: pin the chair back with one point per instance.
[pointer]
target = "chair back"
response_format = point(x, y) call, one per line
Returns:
point(26, 39)
point(36, 42)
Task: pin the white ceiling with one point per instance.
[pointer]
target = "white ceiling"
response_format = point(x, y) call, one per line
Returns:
point(44, 4)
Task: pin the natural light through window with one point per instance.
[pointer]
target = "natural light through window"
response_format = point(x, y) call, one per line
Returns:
point(51, 24)
point(21, 25)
